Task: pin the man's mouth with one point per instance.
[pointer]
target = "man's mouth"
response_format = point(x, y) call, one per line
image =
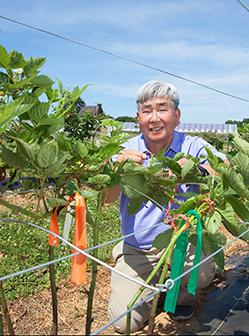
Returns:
point(156, 129)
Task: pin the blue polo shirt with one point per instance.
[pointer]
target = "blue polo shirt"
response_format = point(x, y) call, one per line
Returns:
point(149, 215)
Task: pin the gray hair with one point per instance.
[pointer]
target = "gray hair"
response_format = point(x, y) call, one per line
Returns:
point(157, 89)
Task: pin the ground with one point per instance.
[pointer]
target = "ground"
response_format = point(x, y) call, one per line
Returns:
point(32, 315)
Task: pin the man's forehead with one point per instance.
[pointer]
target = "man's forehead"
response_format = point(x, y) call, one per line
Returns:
point(156, 101)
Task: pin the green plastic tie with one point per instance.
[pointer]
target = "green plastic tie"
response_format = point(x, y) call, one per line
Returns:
point(178, 264)
point(193, 280)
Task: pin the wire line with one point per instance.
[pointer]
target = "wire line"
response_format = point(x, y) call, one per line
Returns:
point(243, 5)
point(127, 59)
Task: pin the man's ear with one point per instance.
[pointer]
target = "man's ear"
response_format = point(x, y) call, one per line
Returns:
point(178, 116)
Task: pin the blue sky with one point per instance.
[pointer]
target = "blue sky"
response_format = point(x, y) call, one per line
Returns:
point(204, 40)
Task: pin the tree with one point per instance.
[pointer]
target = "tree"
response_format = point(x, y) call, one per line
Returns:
point(126, 119)
point(84, 126)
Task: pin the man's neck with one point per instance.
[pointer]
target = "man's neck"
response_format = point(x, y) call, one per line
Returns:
point(155, 148)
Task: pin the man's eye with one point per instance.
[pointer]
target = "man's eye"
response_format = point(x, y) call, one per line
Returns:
point(146, 111)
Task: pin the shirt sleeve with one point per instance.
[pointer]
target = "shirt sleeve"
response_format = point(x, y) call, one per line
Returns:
point(198, 150)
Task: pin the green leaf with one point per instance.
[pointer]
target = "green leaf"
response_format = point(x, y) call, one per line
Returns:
point(213, 222)
point(241, 163)
point(26, 150)
point(135, 204)
point(39, 112)
point(71, 186)
point(239, 208)
point(241, 144)
point(4, 79)
point(133, 185)
point(47, 154)
point(109, 150)
point(212, 159)
point(236, 182)
point(213, 242)
point(80, 149)
point(42, 81)
point(16, 60)
point(231, 223)
point(51, 121)
point(4, 57)
point(10, 111)
point(172, 165)
point(54, 202)
point(12, 159)
point(33, 64)
point(162, 240)
point(188, 166)
point(99, 179)
point(57, 168)
point(18, 209)
point(179, 156)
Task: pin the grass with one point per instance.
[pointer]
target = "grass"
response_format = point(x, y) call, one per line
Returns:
point(22, 246)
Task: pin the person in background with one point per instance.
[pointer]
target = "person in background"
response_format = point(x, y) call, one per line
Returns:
point(158, 115)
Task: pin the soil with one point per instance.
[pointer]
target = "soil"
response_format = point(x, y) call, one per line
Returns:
point(32, 315)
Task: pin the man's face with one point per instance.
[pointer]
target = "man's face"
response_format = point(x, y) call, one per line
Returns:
point(157, 120)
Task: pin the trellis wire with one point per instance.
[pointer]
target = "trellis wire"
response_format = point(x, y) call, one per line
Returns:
point(80, 251)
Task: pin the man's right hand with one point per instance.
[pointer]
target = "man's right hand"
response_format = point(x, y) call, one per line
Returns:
point(130, 154)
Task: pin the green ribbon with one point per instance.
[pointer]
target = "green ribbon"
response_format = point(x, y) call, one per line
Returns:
point(177, 266)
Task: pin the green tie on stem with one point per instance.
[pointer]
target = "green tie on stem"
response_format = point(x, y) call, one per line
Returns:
point(177, 266)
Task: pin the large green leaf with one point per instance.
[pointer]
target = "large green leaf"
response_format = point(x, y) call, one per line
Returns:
point(241, 163)
point(16, 60)
point(133, 185)
point(26, 150)
point(135, 204)
point(239, 208)
point(33, 64)
point(172, 165)
point(47, 154)
point(188, 166)
point(162, 240)
point(236, 182)
point(13, 159)
point(212, 159)
point(9, 112)
point(4, 57)
point(213, 242)
point(80, 149)
point(213, 222)
point(42, 81)
point(231, 223)
point(99, 179)
point(241, 144)
point(39, 112)
point(57, 168)
point(4, 79)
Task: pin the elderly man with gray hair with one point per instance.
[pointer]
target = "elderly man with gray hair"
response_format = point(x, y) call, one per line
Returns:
point(158, 115)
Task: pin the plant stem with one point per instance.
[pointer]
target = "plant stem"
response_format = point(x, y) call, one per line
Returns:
point(54, 330)
point(89, 317)
point(5, 310)
point(1, 321)
point(161, 261)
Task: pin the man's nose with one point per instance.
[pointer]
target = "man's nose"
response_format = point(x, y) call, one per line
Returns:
point(155, 115)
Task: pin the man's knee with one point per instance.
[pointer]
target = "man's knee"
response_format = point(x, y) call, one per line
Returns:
point(139, 317)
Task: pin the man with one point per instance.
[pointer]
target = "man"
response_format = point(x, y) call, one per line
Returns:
point(158, 115)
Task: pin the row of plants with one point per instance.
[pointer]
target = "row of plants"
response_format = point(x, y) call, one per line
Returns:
point(38, 146)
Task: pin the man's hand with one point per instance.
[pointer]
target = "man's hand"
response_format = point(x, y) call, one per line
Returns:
point(133, 155)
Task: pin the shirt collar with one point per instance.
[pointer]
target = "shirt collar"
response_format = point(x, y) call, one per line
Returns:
point(173, 148)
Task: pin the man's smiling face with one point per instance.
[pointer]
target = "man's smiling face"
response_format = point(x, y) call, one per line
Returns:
point(157, 120)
